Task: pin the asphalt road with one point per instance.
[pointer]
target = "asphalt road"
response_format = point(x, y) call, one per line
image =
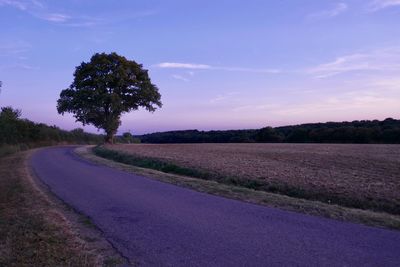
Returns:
point(158, 224)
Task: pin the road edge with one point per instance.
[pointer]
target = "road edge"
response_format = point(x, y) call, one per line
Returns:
point(79, 224)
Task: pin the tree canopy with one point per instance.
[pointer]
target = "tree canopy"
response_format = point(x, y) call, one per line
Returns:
point(106, 87)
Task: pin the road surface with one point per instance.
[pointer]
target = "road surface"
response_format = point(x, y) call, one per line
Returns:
point(158, 224)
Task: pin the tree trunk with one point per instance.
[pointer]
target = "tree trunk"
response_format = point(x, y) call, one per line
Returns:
point(109, 139)
point(111, 128)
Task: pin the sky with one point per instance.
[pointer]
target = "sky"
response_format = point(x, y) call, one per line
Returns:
point(218, 64)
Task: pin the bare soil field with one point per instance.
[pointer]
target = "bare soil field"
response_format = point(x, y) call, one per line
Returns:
point(361, 176)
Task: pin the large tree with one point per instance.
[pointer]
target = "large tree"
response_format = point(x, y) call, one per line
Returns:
point(106, 87)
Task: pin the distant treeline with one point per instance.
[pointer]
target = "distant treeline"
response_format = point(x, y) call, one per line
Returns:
point(20, 134)
point(365, 131)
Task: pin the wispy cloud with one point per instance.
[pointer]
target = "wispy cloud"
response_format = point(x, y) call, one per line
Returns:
point(271, 71)
point(377, 5)
point(38, 10)
point(13, 55)
point(353, 101)
point(387, 59)
point(70, 21)
point(20, 4)
point(364, 97)
point(256, 107)
point(20, 66)
point(387, 83)
point(223, 97)
point(12, 3)
point(338, 9)
point(141, 14)
point(14, 48)
point(194, 66)
point(175, 65)
point(180, 77)
point(55, 17)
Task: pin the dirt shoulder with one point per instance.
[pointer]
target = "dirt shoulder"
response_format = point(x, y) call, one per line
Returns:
point(255, 196)
point(37, 229)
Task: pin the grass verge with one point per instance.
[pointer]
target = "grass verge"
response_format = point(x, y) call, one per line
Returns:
point(33, 231)
point(6, 149)
point(233, 191)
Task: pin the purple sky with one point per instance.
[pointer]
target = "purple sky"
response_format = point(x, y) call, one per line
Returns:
point(218, 64)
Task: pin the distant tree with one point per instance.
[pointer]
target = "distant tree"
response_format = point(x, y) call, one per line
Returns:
point(299, 135)
point(268, 134)
point(106, 87)
point(9, 124)
point(128, 137)
point(8, 113)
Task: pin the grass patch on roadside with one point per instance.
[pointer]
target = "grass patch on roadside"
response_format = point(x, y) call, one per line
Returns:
point(379, 205)
point(248, 194)
point(32, 233)
point(149, 163)
point(7, 149)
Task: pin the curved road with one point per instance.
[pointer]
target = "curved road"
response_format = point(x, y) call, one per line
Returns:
point(158, 224)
